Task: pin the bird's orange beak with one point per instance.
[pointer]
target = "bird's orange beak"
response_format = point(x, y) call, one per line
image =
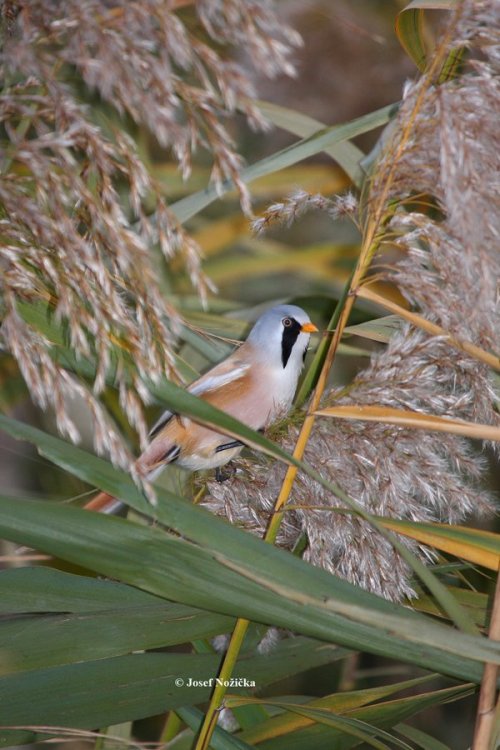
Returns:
point(308, 328)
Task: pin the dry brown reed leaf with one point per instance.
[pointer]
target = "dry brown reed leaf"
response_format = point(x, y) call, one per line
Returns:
point(415, 420)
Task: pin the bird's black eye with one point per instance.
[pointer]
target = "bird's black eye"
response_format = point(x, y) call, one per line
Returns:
point(287, 322)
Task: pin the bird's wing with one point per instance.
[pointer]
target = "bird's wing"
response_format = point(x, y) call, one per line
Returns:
point(160, 423)
point(231, 369)
point(221, 375)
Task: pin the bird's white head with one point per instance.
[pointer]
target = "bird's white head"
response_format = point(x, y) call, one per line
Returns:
point(281, 336)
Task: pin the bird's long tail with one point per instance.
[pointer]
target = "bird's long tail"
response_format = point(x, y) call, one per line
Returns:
point(104, 503)
point(149, 465)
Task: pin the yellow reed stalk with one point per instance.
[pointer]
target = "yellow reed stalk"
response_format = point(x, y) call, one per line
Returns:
point(371, 241)
point(485, 720)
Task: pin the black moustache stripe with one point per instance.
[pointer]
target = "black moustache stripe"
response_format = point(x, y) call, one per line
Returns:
point(290, 336)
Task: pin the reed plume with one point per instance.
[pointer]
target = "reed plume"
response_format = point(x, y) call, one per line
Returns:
point(448, 268)
point(80, 79)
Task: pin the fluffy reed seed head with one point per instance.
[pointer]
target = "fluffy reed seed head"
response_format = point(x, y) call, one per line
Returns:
point(448, 269)
point(76, 238)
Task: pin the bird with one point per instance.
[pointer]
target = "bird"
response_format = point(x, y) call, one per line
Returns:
point(255, 384)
